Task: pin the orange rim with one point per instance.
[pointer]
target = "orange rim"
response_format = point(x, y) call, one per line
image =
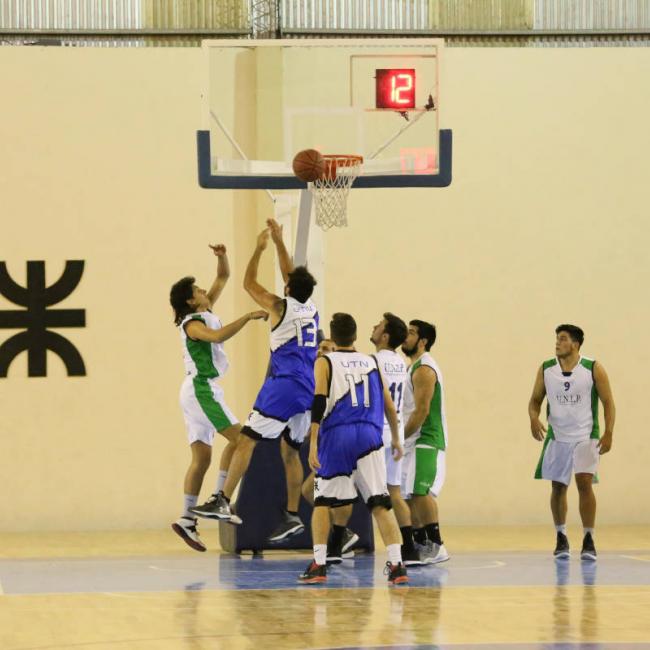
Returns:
point(344, 160)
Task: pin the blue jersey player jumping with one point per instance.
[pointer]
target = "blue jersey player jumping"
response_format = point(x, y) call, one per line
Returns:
point(282, 407)
point(346, 448)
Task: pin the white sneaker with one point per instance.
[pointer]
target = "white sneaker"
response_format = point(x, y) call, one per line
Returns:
point(185, 528)
point(434, 553)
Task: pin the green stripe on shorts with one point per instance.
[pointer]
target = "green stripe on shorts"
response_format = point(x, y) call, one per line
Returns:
point(549, 436)
point(211, 408)
point(426, 468)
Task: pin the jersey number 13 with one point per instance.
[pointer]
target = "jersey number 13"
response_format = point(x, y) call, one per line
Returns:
point(310, 330)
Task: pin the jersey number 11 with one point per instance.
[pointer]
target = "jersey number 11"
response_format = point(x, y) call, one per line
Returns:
point(353, 390)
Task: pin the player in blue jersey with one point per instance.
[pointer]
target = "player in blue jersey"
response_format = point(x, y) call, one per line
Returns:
point(346, 446)
point(342, 539)
point(282, 407)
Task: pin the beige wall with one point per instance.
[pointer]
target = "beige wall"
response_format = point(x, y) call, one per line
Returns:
point(544, 223)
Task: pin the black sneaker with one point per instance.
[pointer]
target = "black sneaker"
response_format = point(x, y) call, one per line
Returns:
point(411, 557)
point(562, 551)
point(396, 573)
point(314, 574)
point(350, 538)
point(216, 507)
point(290, 525)
point(588, 549)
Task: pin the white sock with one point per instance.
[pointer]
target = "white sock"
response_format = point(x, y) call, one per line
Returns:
point(190, 500)
point(394, 553)
point(589, 530)
point(561, 528)
point(221, 480)
point(320, 553)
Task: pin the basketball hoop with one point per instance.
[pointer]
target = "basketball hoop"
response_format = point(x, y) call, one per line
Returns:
point(331, 191)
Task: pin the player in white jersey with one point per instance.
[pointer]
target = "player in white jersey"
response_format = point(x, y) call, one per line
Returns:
point(346, 446)
point(572, 385)
point(387, 336)
point(425, 439)
point(202, 400)
point(283, 403)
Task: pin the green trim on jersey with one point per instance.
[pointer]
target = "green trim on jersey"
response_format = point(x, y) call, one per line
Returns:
point(588, 364)
point(201, 353)
point(432, 432)
point(549, 364)
point(595, 431)
point(210, 407)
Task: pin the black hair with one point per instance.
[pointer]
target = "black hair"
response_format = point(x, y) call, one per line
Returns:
point(343, 329)
point(301, 284)
point(425, 331)
point(396, 329)
point(180, 293)
point(574, 332)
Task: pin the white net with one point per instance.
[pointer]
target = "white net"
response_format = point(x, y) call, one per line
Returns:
point(331, 191)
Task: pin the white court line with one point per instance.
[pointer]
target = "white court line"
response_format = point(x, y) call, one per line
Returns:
point(495, 564)
point(638, 559)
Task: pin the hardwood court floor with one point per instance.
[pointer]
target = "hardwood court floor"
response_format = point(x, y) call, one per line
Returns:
point(142, 591)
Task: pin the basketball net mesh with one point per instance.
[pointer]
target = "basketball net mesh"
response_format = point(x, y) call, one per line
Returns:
point(331, 192)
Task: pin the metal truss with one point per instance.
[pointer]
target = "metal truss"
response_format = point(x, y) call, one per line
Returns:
point(264, 18)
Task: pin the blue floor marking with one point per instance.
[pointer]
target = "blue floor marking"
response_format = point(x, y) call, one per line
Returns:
point(508, 646)
point(223, 572)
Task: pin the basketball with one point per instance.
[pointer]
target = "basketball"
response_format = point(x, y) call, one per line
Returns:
point(308, 165)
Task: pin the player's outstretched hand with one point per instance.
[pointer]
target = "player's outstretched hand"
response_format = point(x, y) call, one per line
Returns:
point(259, 314)
point(263, 239)
point(313, 457)
point(605, 443)
point(537, 429)
point(218, 249)
point(276, 230)
point(398, 452)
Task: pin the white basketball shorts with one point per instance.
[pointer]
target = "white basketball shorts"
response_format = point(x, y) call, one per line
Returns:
point(560, 460)
point(393, 467)
point(368, 478)
point(204, 409)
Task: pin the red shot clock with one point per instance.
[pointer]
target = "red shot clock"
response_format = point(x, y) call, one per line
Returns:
point(395, 88)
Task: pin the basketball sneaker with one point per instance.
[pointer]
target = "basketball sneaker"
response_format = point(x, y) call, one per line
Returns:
point(562, 551)
point(314, 574)
point(350, 538)
point(588, 549)
point(185, 528)
point(216, 507)
point(396, 573)
point(433, 553)
point(290, 525)
point(411, 557)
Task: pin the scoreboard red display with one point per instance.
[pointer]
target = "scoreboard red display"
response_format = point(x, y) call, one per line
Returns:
point(395, 88)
